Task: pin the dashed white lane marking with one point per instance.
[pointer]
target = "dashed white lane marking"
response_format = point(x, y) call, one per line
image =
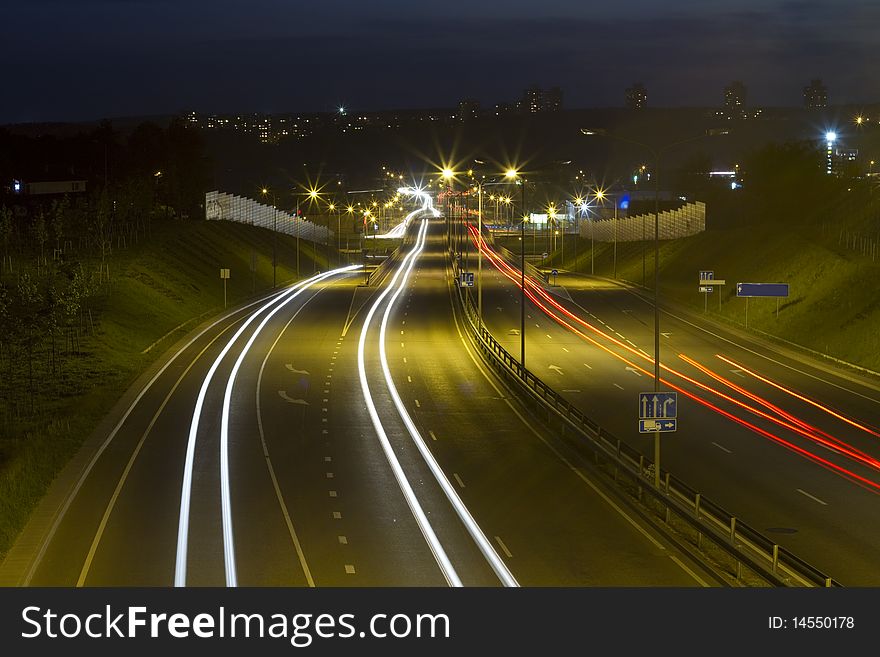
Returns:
point(401, 344)
point(812, 497)
point(418, 405)
point(409, 379)
point(503, 547)
point(401, 332)
point(329, 475)
point(617, 385)
point(571, 390)
point(333, 493)
point(404, 359)
point(433, 437)
point(587, 366)
point(349, 569)
point(328, 459)
point(337, 515)
point(549, 336)
point(342, 540)
point(722, 447)
point(458, 479)
point(565, 350)
point(632, 344)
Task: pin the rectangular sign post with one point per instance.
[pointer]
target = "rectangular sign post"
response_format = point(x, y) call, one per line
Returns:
point(658, 412)
point(748, 290)
point(705, 275)
point(224, 274)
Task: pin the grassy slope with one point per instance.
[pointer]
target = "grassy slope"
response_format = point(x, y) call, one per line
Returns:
point(834, 305)
point(157, 285)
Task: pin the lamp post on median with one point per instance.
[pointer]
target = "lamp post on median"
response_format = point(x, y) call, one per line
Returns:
point(274, 234)
point(655, 153)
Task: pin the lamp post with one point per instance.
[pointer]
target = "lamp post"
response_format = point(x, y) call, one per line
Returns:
point(601, 195)
point(510, 175)
point(274, 234)
point(655, 153)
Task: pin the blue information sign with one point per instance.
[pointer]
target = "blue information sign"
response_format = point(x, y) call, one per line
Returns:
point(658, 405)
point(762, 289)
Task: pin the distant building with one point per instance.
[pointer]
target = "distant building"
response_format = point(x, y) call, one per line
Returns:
point(735, 95)
point(468, 109)
point(536, 100)
point(502, 109)
point(815, 94)
point(637, 96)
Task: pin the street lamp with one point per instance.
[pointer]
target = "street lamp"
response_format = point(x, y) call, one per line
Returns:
point(513, 175)
point(601, 195)
point(655, 154)
point(510, 174)
point(274, 234)
point(830, 138)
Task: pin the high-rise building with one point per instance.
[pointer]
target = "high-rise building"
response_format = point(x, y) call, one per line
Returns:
point(735, 95)
point(537, 100)
point(815, 94)
point(468, 109)
point(637, 96)
point(553, 99)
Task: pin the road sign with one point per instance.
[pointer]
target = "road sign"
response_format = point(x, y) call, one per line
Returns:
point(706, 275)
point(762, 289)
point(658, 426)
point(544, 255)
point(555, 272)
point(713, 281)
point(705, 289)
point(467, 278)
point(658, 405)
point(224, 273)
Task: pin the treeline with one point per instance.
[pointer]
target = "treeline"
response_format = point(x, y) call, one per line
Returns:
point(57, 251)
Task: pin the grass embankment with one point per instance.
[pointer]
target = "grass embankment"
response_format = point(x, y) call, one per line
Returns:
point(834, 303)
point(169, 280)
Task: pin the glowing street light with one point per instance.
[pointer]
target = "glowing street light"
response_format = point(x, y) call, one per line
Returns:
point(830, 138)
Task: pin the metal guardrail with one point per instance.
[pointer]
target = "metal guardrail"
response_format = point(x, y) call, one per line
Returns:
point(747, 546)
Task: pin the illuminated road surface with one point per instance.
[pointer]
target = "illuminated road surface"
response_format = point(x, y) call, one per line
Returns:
point(787, 446)
point(248, 455)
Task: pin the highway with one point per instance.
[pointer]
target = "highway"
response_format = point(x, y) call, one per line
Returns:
point(785, 443)
point(333, 434)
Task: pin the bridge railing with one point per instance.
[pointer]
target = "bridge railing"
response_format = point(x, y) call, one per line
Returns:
point(706, 520)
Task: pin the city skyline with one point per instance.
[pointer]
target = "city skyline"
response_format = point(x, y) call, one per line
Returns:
point(129, 58)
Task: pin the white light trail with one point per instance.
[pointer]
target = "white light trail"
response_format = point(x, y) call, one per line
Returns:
point(415, 507)
point(186, 488)
point(467, 519)
point(400, 229)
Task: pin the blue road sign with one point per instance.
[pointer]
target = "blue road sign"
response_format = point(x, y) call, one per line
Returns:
point(555, 272)
point(467, 278)
point(762, 289)
point(658, 426)
point(707, 275)
point(658, 405)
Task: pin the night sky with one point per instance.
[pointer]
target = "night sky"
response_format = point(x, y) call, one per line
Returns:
point(87, 59)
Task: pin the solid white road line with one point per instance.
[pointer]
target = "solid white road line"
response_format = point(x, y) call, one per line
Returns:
point(474, 530)
point(287, 519)
point(421, 518)
point(186, 487)
point(62, 512)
